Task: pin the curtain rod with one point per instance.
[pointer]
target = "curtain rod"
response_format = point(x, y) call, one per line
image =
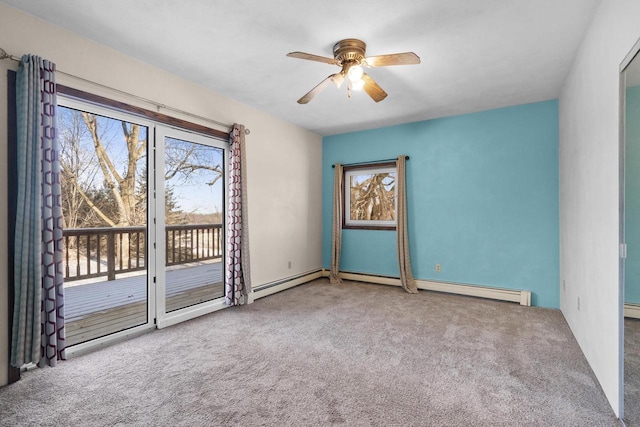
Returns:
point(369, 162)
point(158, 105)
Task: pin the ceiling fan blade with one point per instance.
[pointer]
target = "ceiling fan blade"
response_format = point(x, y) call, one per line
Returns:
point(373, 90)
point(311, 57)
point(316, 90)
point(406, 58)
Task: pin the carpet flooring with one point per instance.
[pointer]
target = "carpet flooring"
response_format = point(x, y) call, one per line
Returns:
point(321, 355)
point(632, 372)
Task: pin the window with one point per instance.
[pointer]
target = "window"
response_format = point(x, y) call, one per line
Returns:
point(370, 196)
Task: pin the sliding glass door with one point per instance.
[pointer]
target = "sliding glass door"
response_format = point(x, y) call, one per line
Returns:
point(103, 160)
point(190, 229)
point(143, 207)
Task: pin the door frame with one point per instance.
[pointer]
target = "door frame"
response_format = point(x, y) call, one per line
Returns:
point(165, 319)
point(633, 53)
point(156, 317)
point(91, 345)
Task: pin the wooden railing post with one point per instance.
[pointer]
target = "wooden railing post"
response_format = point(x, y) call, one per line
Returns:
point(111, 256)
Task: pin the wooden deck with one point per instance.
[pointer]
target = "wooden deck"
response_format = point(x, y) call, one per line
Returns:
point(97, 309)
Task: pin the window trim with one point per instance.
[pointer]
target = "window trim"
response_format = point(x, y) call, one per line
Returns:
point(369, 168)
point(101, 101)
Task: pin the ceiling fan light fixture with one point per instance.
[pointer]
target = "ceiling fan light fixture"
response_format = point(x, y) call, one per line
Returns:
point(337, 79)
point(357, 84)
point(355, 74)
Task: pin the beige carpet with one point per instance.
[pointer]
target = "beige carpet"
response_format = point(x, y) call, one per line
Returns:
point(632, 372)
point(320, 354)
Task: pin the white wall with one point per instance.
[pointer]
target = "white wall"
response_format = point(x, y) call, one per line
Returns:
point(589, 156)
point(284, 198)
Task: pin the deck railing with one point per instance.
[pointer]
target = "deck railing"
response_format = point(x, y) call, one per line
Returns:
point(107, 251)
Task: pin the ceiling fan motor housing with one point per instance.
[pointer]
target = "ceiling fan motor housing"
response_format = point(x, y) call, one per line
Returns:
point(349, 51)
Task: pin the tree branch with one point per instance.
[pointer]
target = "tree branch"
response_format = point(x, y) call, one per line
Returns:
point(73, 181)
point(108, 169)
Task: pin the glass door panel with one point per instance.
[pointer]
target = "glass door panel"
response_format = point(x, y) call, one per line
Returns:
point(104, 198)
point(193, 221)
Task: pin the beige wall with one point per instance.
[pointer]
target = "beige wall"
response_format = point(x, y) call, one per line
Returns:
point(284, 198)
point(589, 189)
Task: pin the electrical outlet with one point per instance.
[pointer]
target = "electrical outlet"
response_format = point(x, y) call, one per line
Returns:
point(578, 303)
point(289, 265)
point(438, 268)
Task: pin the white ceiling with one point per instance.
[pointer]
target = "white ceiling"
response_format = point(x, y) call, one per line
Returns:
point(476, 55)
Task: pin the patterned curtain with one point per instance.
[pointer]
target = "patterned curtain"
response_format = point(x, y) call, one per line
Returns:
point(336, 227)
point(38, 334)
point(238, 274)
point(404, 260)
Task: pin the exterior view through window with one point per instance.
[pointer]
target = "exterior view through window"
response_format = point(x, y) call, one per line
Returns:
point(121, 242)
point(194, 178)
point(104, 204)
point(370, 196)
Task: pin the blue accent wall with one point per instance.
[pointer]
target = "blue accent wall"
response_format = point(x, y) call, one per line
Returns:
point(632, 196)
point(482, 196)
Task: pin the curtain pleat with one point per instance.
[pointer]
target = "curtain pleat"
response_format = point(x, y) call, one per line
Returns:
point(12, 190)
point(38, 334)
point(238, 273)
point(336, 228)
point(404, 260)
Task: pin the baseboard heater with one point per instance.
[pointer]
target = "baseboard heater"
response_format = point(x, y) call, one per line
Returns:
point(632, 311)
point(519, 296)
point(271, 288)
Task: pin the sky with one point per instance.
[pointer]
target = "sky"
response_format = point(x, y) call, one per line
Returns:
point(194, 194)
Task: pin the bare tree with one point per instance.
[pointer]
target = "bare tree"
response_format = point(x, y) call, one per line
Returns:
point(184, 162)
point(122, 185)
point(185, 159)
point(103, 178)
point(373, 198)
point(78, 171)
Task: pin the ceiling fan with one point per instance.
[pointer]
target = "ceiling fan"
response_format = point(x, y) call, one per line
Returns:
point(349, 54)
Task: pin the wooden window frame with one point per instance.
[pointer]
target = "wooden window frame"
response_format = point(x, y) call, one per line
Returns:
point(365, 224)
point(91, 98)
